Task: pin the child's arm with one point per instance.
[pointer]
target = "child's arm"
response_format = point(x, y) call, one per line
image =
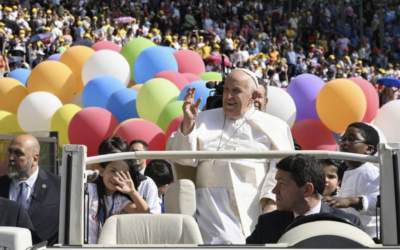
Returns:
point(125, 185)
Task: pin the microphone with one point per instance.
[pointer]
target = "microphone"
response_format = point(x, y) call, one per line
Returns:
point(211, 85)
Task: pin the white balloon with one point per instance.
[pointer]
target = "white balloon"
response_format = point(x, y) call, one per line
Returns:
point(281, 105)
point(388, 120)
point(77, 99)
point(36, 110)
point(106, 62)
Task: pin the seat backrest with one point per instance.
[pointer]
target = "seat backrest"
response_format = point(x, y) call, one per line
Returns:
point(150, 229)
point(180, 198)
point(15, 238)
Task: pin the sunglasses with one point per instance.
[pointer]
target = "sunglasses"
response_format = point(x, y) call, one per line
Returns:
point(350, 139)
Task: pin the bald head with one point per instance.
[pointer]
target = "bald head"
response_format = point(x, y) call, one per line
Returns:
point(29, 142)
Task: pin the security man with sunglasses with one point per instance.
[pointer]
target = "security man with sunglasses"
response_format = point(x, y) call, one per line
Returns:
point(360, 186)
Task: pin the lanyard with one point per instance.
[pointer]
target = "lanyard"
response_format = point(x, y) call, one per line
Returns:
point(102, 219)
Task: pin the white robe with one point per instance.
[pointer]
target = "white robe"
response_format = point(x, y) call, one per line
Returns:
point(228, 192)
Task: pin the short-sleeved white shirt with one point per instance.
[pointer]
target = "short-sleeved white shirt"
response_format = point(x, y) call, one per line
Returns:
point(149, 191)
point(95, 226)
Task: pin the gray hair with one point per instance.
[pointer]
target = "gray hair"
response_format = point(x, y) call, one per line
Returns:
point(262, 83)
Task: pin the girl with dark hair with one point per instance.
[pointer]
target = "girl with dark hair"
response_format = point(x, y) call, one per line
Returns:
point(334, 170)
point(113, 192)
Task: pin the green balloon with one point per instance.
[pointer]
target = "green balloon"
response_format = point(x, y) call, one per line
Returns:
point(169, 113)
point(132, 49)
point(208, 76)
point(154, 96)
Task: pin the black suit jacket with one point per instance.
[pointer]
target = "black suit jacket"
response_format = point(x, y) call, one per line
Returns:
point(271, 226)
point(44, 210)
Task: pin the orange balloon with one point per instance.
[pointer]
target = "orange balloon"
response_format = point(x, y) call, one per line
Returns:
point(75, 57)
point(53, 77)
point(340, 103)
point(137, 87)
point(12, 92)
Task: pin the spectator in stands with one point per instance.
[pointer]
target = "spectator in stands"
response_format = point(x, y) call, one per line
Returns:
point(160, 171)
point(37, 190)
point(360, 186)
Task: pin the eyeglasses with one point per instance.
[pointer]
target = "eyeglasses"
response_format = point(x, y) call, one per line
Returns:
point(349, 140)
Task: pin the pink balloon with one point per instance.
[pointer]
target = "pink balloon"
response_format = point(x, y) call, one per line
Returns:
point(192, 77)
point(90, 126)
point(372, 98)
point(189, 62)
point(311, 134)
point(173, 126)
point(144, 130)
point(106, 45)
point(177, 78)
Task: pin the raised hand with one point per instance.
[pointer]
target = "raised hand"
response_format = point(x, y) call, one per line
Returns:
point(190, 111)
point(125, 183)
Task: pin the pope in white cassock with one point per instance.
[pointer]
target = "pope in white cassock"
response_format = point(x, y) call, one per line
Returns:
point(231, 193)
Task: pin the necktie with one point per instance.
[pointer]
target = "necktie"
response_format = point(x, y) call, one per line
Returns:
point(23, 194)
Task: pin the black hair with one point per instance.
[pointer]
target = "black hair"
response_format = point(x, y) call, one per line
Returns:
point(304, 169)
point(371, 136)
point(145, 146)
point(160, 172)
point(110, 144)
point(340, 166)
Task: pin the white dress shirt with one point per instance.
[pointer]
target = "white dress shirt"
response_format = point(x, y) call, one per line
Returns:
point(30, 183)
point(315, 210)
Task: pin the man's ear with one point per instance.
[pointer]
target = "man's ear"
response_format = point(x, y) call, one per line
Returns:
point(254, 96)
point(309, 190)
point(266, 101)
point(369, 150)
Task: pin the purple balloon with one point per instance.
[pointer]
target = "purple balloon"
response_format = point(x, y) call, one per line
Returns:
point(54, 57)
point(304, 90)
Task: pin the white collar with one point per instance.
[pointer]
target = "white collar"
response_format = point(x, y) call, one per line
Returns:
point(315, 210)
point(246, 115)
point(30, 181)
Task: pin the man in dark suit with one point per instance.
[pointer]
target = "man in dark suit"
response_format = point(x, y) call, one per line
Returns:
point(35, 189)
point(300, 183)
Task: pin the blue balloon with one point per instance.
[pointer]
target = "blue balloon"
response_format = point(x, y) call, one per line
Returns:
point(152, 61)
point(201, 91)
point(122, 104)
point(98, 90)
point(20, 75)
point(169, 49)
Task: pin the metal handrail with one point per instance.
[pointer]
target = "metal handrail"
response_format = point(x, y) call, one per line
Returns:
point(273, 154)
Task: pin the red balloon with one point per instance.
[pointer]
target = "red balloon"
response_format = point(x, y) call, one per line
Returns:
point(372, 98)
point(144, 130)
point(311, 134)
point(90, 126)
point(177, 78)
point(106, 45)
point(189, 62)
point(173, 126)
point(192, 77)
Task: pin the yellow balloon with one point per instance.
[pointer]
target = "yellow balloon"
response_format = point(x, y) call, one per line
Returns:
point(9, 123)
point(122, 123)
point(137, 87)
point(12, 92)
point(61, 119)
point(340, 103)
point(75, 57)
point(53, 77)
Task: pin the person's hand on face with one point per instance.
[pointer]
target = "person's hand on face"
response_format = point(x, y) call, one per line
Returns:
point(125, 183)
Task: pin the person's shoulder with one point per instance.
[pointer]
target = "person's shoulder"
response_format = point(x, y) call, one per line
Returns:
point(340, 213)
point(272, 216)
point(9, 205)
point(267, 118)
point(369, 171)
point(51, 175)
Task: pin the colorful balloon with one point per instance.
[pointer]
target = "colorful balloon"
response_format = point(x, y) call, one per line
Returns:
point(152, 61)
point(311, 134)
point(175, 77)
point(99, 89)
point(20, 75)
point(106, 45)
point(36, 110)
point(304, 90)
point(9, 123)
point(61, 120)
point(53, 77)
point(211, 76)
point(12, 92)
point(154, 96)
point(388, 119)
point(137, 87)
point(122, 104)
point(90, 126)
point(75, 57)
point(77, 100)
point(132, 49)
point(169, 113)
point(143, 130)
point(201, 92)
point(173, 126)
point(192, 77)
point(281, 105)
point(106, 62)
point(189, 62)
point(54, 57)
point(372, 98)
point(340, 103)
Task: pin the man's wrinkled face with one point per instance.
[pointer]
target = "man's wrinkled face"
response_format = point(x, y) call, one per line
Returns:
point(260, 102)
point(19, 160)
